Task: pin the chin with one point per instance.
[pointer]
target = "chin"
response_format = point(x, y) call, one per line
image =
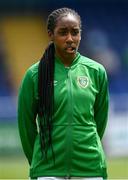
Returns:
point(71, 55)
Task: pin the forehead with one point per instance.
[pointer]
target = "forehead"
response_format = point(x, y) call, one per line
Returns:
point(68, 21)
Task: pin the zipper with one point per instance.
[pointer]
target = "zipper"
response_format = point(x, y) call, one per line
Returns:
point(69, 128)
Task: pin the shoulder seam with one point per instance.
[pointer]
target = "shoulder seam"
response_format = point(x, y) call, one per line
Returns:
point(91, 63)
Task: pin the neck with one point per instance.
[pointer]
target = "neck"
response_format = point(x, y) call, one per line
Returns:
point(66, 60)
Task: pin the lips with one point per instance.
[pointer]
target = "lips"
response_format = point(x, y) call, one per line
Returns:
point(70, 49)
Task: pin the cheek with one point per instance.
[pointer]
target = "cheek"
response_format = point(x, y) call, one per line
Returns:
point(78, 40)
point(59, 41)
point(59, 44)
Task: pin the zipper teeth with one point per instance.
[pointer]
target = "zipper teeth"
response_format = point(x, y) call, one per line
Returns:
point(69, 133)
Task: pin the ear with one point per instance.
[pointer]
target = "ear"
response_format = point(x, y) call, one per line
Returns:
point(50, 34)
point(80, 37)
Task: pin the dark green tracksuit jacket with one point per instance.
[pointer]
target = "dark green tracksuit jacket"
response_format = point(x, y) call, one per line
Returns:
point(79, 121)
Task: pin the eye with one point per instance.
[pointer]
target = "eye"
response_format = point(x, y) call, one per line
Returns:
point(63, 33)
point(75, 32)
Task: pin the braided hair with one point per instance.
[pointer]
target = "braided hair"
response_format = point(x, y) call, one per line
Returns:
point(46, 83)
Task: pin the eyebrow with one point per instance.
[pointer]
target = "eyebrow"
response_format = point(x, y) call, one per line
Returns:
point(65, 28)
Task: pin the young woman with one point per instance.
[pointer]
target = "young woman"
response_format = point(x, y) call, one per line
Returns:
point(63, 107)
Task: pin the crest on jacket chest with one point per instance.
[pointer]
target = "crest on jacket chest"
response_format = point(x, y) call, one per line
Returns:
point(83, 81)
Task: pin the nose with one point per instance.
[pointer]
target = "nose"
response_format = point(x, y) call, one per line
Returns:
point(69, 38)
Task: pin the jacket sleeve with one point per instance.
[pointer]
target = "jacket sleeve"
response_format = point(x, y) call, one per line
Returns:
point(27, 111)
point(101, 103)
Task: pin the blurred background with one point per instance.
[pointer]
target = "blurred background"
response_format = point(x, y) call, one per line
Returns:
point(23, 39)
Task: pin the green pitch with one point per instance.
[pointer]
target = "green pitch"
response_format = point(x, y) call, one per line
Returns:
point(17, 168)
point(118, 168)
point(13, 168)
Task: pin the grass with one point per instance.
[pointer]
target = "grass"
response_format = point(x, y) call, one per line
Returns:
point(17, 168)
point(118, 168)
point(13, 168)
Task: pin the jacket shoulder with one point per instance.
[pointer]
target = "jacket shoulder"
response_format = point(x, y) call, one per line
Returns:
point(33, 70)
point(92, 64)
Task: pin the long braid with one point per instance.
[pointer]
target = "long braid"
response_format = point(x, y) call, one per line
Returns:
point(46, 83)
point(46, 92)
